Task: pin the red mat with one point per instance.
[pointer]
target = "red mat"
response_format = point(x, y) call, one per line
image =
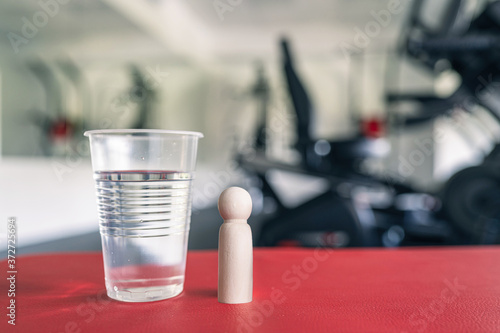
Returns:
point(295, 290)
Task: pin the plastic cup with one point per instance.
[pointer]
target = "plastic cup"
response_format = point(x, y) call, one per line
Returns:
point(143, 182)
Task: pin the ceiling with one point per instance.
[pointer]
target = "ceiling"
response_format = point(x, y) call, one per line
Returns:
point(193, 29)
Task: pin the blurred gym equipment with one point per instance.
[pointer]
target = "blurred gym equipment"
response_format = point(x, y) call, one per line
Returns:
point(353, 212)
point(58, 126)
point(53, 121)
point(471, 47)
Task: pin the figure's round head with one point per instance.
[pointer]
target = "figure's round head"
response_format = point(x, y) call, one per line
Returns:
point(235, 204)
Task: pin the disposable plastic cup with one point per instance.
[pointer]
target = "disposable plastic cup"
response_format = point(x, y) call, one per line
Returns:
point(143, 183)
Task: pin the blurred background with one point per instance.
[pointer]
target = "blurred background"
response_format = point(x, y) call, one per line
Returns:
point(351, 123)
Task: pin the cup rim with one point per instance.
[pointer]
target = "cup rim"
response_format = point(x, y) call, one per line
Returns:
point(141, 131)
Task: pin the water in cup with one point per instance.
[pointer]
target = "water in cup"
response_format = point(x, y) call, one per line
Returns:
point(144, 219)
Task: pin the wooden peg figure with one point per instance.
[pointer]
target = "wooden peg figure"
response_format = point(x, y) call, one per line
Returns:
point(235, 247)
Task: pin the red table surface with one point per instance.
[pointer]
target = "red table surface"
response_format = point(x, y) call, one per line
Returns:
point(295, 290)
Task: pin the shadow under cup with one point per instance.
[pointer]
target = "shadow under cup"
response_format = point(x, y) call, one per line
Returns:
point(143, 183)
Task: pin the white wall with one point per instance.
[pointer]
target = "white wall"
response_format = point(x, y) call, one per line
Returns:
point(50, 198)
